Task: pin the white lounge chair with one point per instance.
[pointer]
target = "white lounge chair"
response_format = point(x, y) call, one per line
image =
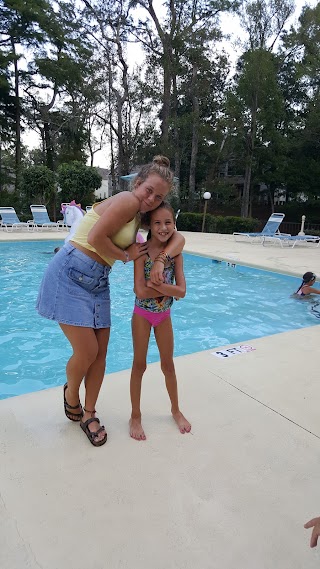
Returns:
point(10, 220)
point(41, 218)
point(292, 240)
point(270, 229)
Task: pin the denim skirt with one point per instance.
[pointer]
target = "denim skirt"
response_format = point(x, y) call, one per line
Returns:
point(75, 290)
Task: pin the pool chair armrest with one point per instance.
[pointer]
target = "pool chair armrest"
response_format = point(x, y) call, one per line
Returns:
point(31, 226)
point(60, 225)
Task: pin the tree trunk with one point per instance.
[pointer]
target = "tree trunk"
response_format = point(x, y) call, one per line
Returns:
point(177, 152)
point(249, 159)
point(195, 139)
point(167, 58)
point(246, 187)
point(165, 114)
point(271, 198)
point(17, 115)
point(48, 145)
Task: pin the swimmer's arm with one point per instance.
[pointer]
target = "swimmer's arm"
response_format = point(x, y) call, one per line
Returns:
point(123, 207)
point(310, 290)
point(178, 289)
point(140, 289)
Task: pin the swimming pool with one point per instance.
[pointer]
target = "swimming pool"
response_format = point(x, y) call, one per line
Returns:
point(225, 304)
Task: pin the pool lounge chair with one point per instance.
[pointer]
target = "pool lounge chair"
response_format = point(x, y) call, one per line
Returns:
point(41, 219)
point(270, 229)
point(292, 240)
point(10, 220)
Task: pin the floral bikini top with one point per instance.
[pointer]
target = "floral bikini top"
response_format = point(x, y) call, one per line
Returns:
point(161, 303)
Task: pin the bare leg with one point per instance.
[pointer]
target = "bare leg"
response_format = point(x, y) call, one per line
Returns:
point(94, 378)
point(164, 338)
point(85, 348)
point(88, 346)
point(140, 336)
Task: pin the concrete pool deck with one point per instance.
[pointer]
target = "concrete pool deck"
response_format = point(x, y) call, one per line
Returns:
point(233, 494)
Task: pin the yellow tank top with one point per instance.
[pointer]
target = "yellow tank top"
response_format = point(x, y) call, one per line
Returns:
point(125, 236)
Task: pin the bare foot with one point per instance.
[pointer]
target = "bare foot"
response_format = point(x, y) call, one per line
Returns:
point(136, 431)
point(183, 424)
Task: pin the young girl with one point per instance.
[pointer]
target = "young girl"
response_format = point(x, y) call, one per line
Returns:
point(305, 289)
point(152, 309)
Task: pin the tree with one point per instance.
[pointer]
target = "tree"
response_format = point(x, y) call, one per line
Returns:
point(301, 85)
point(22, 24)
point(38, 185)
point(60, 86)
point(78, 182)
point(256, 85)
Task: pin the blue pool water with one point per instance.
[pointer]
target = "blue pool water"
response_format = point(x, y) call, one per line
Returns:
point(224, 305)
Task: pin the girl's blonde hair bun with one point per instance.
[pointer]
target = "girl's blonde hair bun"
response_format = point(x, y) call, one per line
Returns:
point(161, 160)
point(160, 165)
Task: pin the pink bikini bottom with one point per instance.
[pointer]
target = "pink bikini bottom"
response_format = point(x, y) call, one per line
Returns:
point(154, 318)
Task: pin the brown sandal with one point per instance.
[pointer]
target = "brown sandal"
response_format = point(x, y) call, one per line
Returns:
point(93, 434)
point(75, 417)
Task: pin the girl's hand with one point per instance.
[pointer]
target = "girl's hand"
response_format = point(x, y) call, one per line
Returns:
point(156, 273)
point(136, 250)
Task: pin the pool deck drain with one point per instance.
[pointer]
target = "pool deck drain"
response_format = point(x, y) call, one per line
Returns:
point(235, 493)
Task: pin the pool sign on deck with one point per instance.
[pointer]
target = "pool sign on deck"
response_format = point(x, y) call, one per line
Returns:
point(235, 351)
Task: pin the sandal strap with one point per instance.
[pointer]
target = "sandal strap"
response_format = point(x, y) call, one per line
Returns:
point(88, 421)
point(85, 427)
point(73, 413)
point(94, 434)
point(66, 402)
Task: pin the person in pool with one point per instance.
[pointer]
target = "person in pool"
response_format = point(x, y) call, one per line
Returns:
point(306, 287)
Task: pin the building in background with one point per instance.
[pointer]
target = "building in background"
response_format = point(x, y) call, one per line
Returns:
point(105, 190)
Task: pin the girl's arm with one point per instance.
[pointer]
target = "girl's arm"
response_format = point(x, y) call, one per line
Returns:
point(179, 289)
point(173, 248)
point(140, 289)
point(122, 208)
point(311, 290)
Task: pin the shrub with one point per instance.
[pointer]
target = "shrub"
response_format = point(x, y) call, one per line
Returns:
point(189, 221)
point(78, 182)
point(216, 224)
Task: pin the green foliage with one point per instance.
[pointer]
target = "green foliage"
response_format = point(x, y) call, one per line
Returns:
point(189, 222)
point(294, 211)
point(37, 184)
point(78, 182)
point(216, 224)
point(11, 199)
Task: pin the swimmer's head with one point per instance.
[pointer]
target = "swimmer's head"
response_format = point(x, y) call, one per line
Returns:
point(308, 277)
point(56, 250)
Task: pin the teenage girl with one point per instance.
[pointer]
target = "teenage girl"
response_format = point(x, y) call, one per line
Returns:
point(152, 309)
point(305, 288)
